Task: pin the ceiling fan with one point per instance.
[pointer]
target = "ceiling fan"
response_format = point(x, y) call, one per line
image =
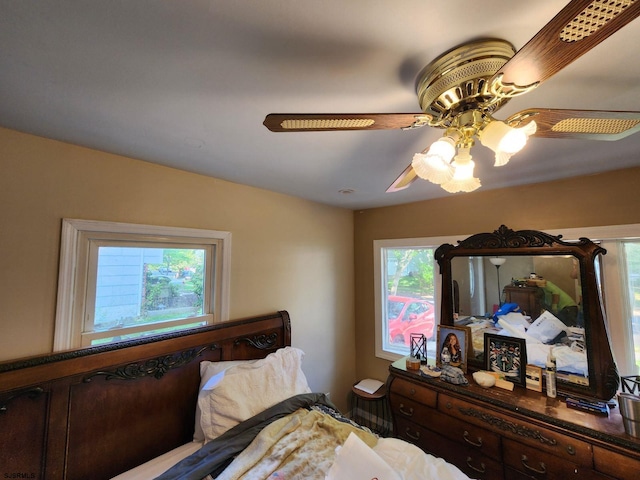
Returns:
point(461, 90)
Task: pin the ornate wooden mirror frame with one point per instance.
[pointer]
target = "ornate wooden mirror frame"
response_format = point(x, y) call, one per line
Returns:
point(603, 376)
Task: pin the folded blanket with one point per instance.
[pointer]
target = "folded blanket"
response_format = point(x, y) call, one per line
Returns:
point(214, 457)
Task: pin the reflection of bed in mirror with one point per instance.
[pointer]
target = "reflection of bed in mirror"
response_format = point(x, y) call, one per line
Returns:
point(534, 286)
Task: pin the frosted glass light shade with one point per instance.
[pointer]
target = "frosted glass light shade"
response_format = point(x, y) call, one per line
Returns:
point(463, 179)
point(505, 140)
point(445, 148)
point(435, 165)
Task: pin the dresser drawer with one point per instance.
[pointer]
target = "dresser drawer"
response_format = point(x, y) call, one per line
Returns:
point(473, 437)
point(509, 426)
point(413, 433)
point(467, 459)
point(541, 465)
point(615, 464)
point(414, 392)
point(402, 407)
point(513, 474)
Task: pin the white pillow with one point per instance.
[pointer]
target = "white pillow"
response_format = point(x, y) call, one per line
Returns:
point(207, 371)
point(245, 390)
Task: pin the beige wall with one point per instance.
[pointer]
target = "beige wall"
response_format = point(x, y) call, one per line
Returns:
point(287, 253)
point(595, 200)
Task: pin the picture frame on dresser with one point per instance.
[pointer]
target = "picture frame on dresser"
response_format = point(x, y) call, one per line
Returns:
point(507, 356)
point(463, 337)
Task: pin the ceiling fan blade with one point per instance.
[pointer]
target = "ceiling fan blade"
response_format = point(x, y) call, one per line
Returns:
point(579, 27)
point(316, 122)
point(579, 124)
point(406, 178)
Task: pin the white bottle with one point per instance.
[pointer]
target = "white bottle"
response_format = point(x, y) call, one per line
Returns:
point(551, 376)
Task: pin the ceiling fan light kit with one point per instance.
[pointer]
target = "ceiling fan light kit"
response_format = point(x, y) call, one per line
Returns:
point(461, 90)
point(463, 179)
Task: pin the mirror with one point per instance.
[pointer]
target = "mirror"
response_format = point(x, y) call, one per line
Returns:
point(538, 287)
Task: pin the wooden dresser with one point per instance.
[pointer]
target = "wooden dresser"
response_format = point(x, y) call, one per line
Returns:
point(529, 299)
point(496, 434)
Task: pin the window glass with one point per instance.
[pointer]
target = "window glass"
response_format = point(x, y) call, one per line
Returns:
point(140, 286)
point(409, 297)
point(632, 256)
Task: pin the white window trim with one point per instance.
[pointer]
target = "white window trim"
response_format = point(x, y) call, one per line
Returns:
point(66, 332)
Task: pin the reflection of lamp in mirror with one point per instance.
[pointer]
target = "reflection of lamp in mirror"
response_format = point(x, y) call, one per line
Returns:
point(498, 262)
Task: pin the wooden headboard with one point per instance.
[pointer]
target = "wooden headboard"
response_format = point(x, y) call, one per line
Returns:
point(97, 412)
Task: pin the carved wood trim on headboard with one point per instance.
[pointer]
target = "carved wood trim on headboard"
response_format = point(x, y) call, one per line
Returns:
point(129, 402)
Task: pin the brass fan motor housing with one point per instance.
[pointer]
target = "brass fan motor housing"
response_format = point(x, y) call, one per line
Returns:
point(459, 81)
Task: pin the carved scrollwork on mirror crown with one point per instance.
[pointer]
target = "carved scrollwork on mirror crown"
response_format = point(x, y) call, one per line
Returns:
point(602, 380)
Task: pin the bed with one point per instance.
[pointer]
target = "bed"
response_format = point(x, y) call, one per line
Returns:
point(209, 401)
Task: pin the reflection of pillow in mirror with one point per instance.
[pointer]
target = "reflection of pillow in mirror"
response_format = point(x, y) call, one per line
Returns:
point(516, 319)
point(517, 331)
point(245, 390)
point(546, 327)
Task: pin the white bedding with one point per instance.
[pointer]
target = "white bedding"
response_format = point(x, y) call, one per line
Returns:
point(407, 460)
point(158, 465)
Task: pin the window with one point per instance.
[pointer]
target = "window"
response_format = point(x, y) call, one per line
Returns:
point(619, 279)
point(121, 281)
point(632, 264)
point(407, 290)
point(621, 297)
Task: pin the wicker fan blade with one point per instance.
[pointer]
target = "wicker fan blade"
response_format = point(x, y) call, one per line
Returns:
point(316, 122)
point(579, 124)
point(406, 178)
point(579, 27)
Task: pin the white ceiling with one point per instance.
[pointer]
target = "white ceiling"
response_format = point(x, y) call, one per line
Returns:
point(188, 83)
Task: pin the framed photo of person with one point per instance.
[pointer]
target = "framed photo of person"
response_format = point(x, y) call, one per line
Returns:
point(506, 355)
point(533, 378)
point(453, 345)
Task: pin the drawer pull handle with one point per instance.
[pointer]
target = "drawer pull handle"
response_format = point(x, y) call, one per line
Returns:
point(412, 391)
point(482, 468)
point(407, 413)
point(541, 471)
point(466, 438)
point(412, 436)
